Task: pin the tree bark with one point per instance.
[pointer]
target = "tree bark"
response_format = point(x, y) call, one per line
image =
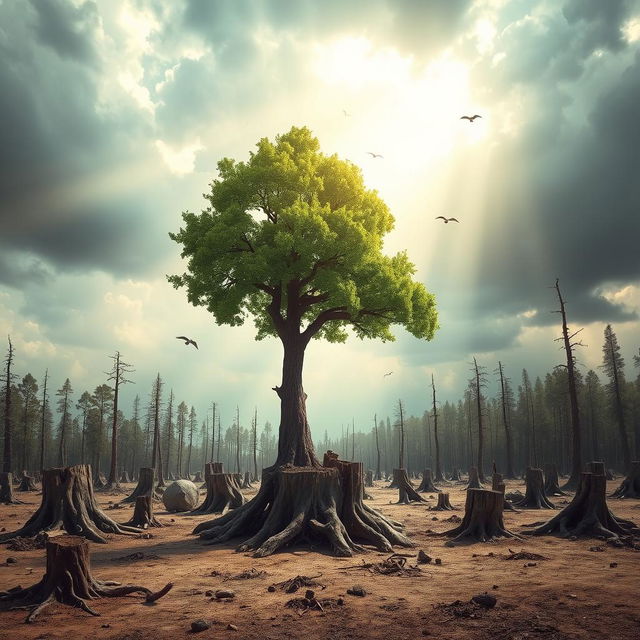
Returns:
point(68, 580)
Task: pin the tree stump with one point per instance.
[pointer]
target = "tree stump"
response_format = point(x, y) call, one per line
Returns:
point(406, 493)
point(143, 517)
point(443, 503)
point(246, 482)
point(223, 493)
point(587, 515)
point(68, 502)
point(474, 480)
point(316, 503)
point(27, 483)
point(68, 580)
point(630, 487)
point(368, 479)
point(99, 482)
point(610, 475)
point(124, 478)
point(497, 484)
point(455, 475)
point(6, 489)
point(198, 477)
point(552, 481)
point(482, 520)
point(427, 486)
point(394, 479)
point(145, 486)
point(534, 495)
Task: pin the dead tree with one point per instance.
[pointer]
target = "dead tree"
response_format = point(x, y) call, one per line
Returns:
point(427, 486)
point(145, 486)
point(587, 515)
point(223, 493)
point(439, 474)
point(497, 484)
point(68, 580)
point(630, 487)
point(569, 346)
point(534, 496)
point(551, 481)
point(406, 493)
point(6, 489)
point(8, 377)
point(43, 420)
point(68, 502)
point(368, 479)
point(477, 383)
point(378, 475)
point(474, 480)
point(443, 503)
point(256, 478)
point(482, 521)
point(505, 401)
point(143, 514)
point(27, 483)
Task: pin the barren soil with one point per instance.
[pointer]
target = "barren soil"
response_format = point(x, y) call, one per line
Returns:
point(575, 593)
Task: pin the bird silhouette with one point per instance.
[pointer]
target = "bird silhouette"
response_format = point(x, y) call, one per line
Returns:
point(447, 220)
point(470, 118)
point(374, 155)
point(387, 374)
point(188, 341)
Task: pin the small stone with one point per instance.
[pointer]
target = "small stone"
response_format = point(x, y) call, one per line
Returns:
point(532, 564)
point(221, 594)
point(340, 601)
point(12, 560)
point(271, 588)
point(208, 593)
point(573, 596)
point(438, 561)
point(434, 518)
point(495, 586)
point(309, 594)
point(232, 627)
point(423, 558)
point(612, 565)
point(199, 625)
point(357, 590)
point(485, 600)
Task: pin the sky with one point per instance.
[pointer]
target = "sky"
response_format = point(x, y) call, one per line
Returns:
point(114, 114)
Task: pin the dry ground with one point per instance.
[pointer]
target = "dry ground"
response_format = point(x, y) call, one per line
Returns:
point(574, 594)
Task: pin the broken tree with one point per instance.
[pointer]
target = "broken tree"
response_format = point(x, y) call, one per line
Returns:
point(68, 502)
point(68, 579)
point(277, 239)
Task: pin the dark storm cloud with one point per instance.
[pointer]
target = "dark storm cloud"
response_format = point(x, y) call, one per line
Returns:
point(19, 271)
point(54, 140)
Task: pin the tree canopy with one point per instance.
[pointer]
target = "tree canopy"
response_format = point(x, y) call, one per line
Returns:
point(293, 238)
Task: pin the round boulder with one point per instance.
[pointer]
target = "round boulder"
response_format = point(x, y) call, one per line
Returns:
point(181, 495)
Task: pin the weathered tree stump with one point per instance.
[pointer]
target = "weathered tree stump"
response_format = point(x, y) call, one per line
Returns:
point(99, 481)
point(394, 479)
point(406, 493)
point(474, 480)
point(455, 475)
point(323, 503)
point(552, 481)
point(198, 478)
point(68, 502)
point(124, 478)
point(482, 520)
point(610, 475)
point(368, 478)
point(27, 483)
point(246, 482)
point(497, 484)
point(145, 486)
point(68, 580)
point(143, 516)
point(427, 486)
point(223, 493)
point(630, 487)
point(6, 489)
point(587, 515)
point(443, 503)
point(534, 495)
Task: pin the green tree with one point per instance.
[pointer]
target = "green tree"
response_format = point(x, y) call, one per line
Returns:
point(64, 402)
point(29, 391)
point(294, 239)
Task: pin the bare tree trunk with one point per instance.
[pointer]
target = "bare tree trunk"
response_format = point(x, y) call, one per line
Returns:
point(439, 475)
point(7, 460)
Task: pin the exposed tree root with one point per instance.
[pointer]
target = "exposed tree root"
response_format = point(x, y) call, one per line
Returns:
point(406, 493)
point(27, 483)
point(247, 481)
point(68, 580)
point(534, 497)
point(455, 475)
point(223, 493)
point(482, 520)
point(443, 503)
point(68, 502)
point(474, 480)
point(427, 486)
point(143, 516)
point(552, 481)
point(630, 487)
point(316, 504)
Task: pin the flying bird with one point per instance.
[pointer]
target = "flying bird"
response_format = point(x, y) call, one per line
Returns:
point(387, 374)
point(470, 118)
point(188, 341)
point(374, 155)
point(447, 220)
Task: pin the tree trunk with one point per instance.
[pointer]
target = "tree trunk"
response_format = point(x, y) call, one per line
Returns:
point(6, 489)
point(27, 483)
point(143, 514)
point(507, 426)
point(474, 480)
point(482, 520)
point(443, 503)
point(535, 496)
point(427, 486)
point(497, 484)
point(246, 481)
point(630, 487)
point(68, 580)
point(551, 482)
point(68, 502)
point(368, 480)
point(588, 515)
point(7, 460)
point(406, 493)
point(223, 493)
point(145, 486)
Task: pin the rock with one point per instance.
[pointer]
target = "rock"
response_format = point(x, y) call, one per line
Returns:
point(357, 590)
point(199, 625)
point(612, 565)
point(181, 495)
point(232, 627)
point(309, 595)
point(423, 558)
point(208, 593)
point(340, 601)
point(222, 594)
point(12, 560)
point(438, 561)
point(485, 600)
point(271, 588)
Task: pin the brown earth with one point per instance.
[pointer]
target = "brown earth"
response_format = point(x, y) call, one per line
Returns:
point(573, 594)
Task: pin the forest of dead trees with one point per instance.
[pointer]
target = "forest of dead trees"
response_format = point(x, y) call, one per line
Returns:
point(48, 423)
